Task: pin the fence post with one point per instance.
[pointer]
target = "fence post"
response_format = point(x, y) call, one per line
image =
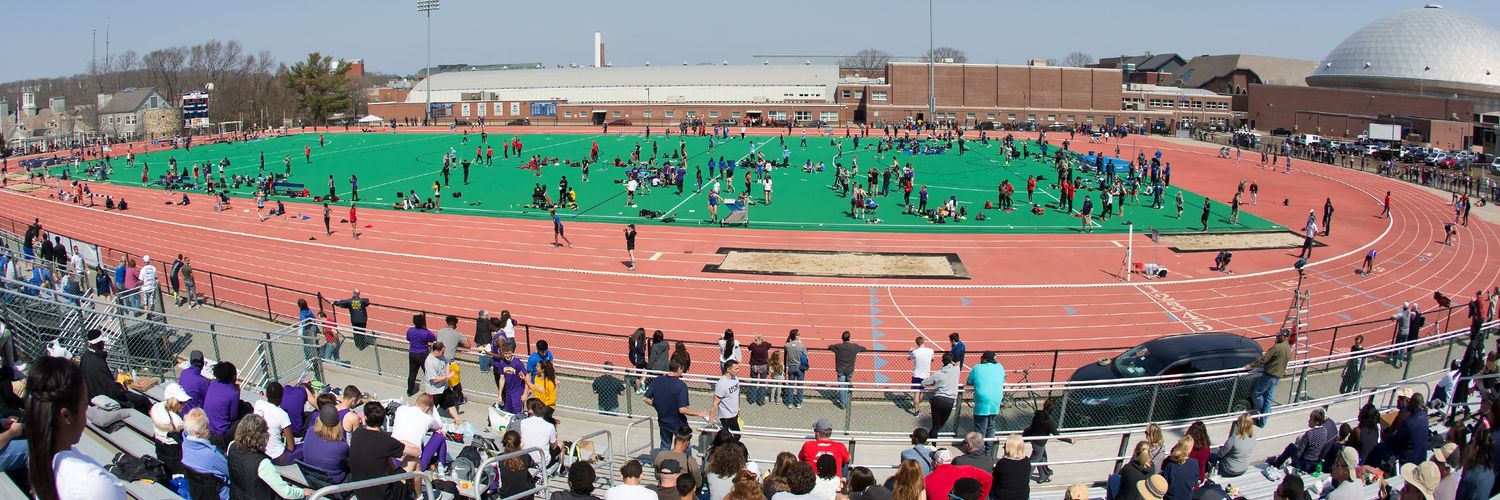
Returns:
point(270, 356)
point(1054, 365)
point(218, 356)
point(213, 296)
point(269, 315)
point(1151, 410)
point(1333, 344)
point(1234, 390)
point(527, 327)
point(1124, 446)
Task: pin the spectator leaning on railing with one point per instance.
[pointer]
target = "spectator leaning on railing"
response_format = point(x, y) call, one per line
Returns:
point(1273, 364)
point(987, 381)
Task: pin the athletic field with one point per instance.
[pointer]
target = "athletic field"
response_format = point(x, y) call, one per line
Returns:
point(390, 163)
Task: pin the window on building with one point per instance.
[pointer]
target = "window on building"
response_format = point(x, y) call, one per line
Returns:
point(1030, 118)
point(1088, 118)
point(713, 114)
point(615, 114)
point(971, 116)
point(646, 114)
point(734, 114)
point(1071, 118)
point(777, 115)
point(567, 114)
point(1010, 116)
point(989, 116)
point(802, 116)
point(847, 94)
point(829, 116)
point(669, 114)
point(692, 114)
point(878, 95)
point(859, 94)
point(1051, 118)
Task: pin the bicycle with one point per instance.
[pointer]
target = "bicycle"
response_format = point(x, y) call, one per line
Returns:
point(1025, 400)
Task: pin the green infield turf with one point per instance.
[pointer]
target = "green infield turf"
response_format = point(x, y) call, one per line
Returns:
point(390, 163)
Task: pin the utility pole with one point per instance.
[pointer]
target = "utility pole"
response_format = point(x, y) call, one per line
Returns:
point(427, 6)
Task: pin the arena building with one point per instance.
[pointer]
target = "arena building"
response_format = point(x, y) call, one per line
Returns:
point(1429, 69)
point(804, 94)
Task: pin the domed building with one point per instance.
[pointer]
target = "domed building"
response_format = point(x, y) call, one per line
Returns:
point(1427, 51)
point(1433, 71)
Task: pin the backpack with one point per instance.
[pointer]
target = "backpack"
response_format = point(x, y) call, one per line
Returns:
point(467, 462)
point(129, 468)
point(804, 362)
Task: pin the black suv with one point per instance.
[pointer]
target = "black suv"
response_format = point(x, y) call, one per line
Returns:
point(1175, 399)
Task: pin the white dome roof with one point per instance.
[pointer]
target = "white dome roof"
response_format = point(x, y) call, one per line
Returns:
point(1433, 44)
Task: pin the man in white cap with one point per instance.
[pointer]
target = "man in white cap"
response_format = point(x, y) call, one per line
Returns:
point(1309, 232)
point(148, 283)
point(1345, 487)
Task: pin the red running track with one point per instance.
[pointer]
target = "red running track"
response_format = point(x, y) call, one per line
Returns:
point(1027, 291)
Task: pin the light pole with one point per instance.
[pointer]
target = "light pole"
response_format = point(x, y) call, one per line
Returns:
point(931, 69)
point(427, 6)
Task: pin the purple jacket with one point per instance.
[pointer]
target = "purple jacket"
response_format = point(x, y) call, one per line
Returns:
point(196, 386)
point(222, 404)
point(419, 339)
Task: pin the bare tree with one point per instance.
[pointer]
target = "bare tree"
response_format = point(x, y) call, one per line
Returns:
point(946, 54)
point(166, 67)
point(1077, 59)
point(867, 60)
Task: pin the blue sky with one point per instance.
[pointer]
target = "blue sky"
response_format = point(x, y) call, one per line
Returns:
point(389, 35)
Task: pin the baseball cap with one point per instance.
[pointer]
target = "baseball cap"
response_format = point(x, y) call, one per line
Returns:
point(195, 357)
point(823, 425)
point(942, 456)
point(1424, 477)
point(96, 337)
point(1350, 457)
point(669, 466)
point(328, 415)
point(174, 391)
point(1153, 488)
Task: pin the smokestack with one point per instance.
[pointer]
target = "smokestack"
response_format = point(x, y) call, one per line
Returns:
point(598, 50)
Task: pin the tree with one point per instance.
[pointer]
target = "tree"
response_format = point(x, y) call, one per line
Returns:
point(1077, 59)
point(946, 54)
point(319, 86)
point(166, 67)
point(867, 60)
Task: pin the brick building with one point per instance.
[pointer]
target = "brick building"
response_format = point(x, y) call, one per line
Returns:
point(802, 94)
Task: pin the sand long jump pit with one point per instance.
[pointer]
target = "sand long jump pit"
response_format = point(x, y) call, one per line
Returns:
point(1249, 240)
point(835, 264)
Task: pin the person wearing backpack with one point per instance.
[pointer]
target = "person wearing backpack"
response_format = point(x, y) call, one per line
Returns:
point(796, 369)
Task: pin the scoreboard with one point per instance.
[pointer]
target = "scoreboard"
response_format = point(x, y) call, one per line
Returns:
point(195, 109)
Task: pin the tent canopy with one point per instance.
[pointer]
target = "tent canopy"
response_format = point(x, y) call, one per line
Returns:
point(371, 119)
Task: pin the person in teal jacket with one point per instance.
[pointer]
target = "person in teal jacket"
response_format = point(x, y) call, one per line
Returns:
point(987, 382)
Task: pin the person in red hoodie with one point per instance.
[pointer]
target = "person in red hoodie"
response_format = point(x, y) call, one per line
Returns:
point(944, 474)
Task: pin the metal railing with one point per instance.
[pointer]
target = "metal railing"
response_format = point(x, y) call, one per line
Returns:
point(609, 454)
point(323, 492)
point(279, 304)
point(1428, 356)
point(540, 486)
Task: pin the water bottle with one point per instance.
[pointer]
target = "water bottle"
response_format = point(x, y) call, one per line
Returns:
point(1318, 469)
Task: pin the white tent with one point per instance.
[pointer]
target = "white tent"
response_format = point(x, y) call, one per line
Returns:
point(371, 119)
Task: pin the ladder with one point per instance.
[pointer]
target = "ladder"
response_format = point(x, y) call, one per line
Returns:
point(1296, 322)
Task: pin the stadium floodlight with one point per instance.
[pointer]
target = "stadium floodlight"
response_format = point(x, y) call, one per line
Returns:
point(426, 7)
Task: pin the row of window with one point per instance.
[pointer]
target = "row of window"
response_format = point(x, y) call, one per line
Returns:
point(1171, 103)
point(120, 119)
point(875, 95)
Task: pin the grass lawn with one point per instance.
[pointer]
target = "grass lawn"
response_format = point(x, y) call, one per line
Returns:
point(391, 163)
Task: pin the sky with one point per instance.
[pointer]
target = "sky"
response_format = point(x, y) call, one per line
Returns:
point(390, 35)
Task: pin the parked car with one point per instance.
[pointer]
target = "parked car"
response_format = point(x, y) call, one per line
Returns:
point(727, 122)
point(989, 126)
point(1495, 166)
point(813, 124)
point(1280, 131)
point(1184, 354)
point(519, 121)
point(619, 122)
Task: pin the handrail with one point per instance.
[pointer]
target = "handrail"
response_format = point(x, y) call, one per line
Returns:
point(345, 487)
point(609, 458)
point(650, 440)
point(541, 481)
